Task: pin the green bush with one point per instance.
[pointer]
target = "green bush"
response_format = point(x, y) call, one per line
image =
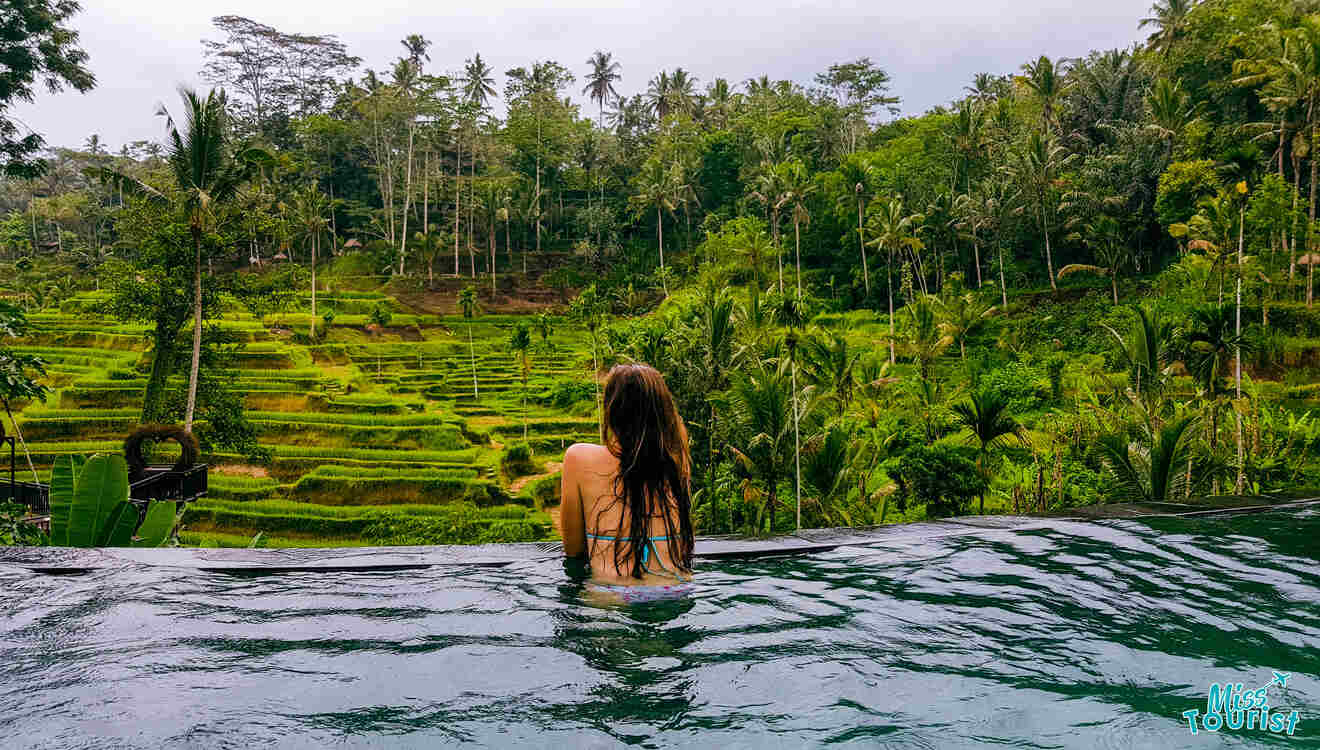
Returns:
point(942, 477)
point(517, 460)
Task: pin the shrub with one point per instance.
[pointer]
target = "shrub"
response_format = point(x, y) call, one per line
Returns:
point(942, 477)
point(517, 460)
point(1020, 383)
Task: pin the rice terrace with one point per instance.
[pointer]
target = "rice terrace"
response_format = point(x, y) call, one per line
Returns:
point(752, 374)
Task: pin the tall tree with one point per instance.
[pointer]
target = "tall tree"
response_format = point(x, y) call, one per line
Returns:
point(1037, 164)
point(600, 81)
point(208, 173)
point(35, 43)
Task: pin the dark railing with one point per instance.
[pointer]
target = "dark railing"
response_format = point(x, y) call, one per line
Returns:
point(168, 484)
point(34, 495)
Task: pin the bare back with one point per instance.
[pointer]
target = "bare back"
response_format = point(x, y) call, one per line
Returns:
point(589, 509)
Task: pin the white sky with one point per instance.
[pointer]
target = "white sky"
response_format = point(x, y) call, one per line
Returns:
point(142, 49)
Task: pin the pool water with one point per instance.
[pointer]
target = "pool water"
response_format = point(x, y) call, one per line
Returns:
point(1070, 634)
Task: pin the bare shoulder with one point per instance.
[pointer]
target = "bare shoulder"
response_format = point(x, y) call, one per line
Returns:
point(587, 455)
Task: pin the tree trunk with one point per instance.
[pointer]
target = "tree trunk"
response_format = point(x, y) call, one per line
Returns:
point(165, 348)
point(660, 235)
point(861, 245)
point(1003, 287)
point(491, 238)
point(472, 202)
point(797, 255)
point(472, 348)
point(797, 450)
point(1049, 256)
point(197, 331)
point(976, 253)
point(889, 292)
point(458, 191)
point(314, 243)
point(407, 198)
point(18, 432)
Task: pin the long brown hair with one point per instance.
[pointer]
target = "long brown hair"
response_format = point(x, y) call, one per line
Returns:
point(646, 434)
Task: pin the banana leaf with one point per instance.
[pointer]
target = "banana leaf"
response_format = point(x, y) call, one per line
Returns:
point(96, 510)
point(157, 526)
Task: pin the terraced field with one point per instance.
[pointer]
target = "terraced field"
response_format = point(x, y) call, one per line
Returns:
point(363, 424)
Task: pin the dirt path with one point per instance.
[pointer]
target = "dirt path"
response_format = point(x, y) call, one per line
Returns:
point(551, 468)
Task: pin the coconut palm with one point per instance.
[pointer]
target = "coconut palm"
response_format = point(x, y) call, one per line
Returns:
point(655, 189)
point(760, 406)
point(478, 83)
point(769, 191)
point(208, 172)
point(711, 333)
point(962, 315)
point(923, 338)
point(467, 300)
point(1151, 470)
point(600, 81)
point(1104, 236)
point(791, 314)
point(1169, 19)
point(520, 342)
point(310, 208)
point(1037, 164)
point(428, 247)
point(1169, 110)
point(1044, 79)
point(755, 247)
point(986, 417)
point(831, 365)
point(798, 188)
point(1146, 352)
point(859, 174)
point(893, 230)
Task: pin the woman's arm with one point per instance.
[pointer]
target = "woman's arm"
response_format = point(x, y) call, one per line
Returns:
point(571, 517)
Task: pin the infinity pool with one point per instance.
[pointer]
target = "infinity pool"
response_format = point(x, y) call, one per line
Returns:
point(1056, 635)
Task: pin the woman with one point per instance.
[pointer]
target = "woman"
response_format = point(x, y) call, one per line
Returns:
point(626, 504)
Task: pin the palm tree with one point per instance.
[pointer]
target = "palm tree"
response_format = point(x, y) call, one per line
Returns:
point(1104, 237)
point(600, 81)
point(859, 174)
point(791, 314)
point(657, 95)
point(831, 365)
point(769, 191)
point(923, 338)
point(478, 82)
point(968, 138)
point(467, 300)
point(1211, 344)
point(520, 341)
point(310, 207)
point(963, 315)
point(1169, 110)
point(1145, 351)
point(1037, 165)
point(1169, 17)
point(429, 246)
point(654, 186)
point(986, 416)
point(208, 173)
point(759, 408)
point(712, 335)
point(755, 248)
point(1044, 79)
point(1151, 472)
point(589, 309)
point(798, 187)
point(893, 230)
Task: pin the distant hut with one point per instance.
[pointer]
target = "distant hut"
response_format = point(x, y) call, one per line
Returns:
point(352, 244)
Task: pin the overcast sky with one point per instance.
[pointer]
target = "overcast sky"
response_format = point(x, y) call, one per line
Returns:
point(142, 49)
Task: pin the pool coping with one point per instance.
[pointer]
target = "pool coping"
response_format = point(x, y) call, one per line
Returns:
point(72, 561)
